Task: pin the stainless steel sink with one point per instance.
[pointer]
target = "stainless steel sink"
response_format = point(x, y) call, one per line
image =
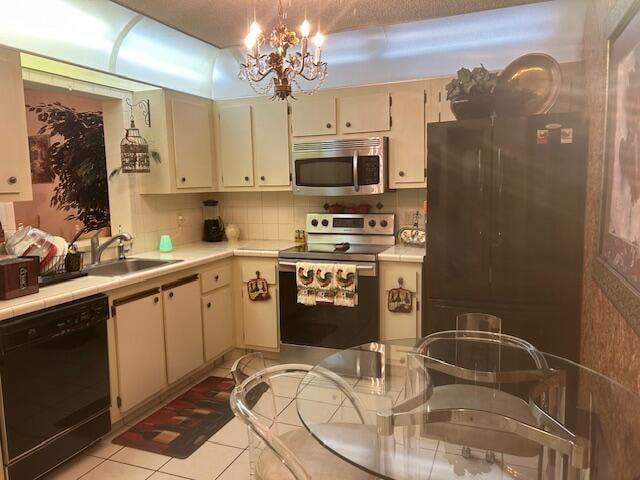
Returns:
point(123, 267)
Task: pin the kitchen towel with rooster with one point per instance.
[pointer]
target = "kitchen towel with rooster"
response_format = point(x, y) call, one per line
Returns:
point(305, 276)
point(326, 284)
point(346, 283)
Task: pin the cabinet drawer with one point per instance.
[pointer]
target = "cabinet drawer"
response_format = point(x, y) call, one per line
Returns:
point(392, 275)
point(267, 269)
point(215, 277)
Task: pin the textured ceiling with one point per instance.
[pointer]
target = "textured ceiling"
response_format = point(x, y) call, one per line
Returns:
point(224, 23)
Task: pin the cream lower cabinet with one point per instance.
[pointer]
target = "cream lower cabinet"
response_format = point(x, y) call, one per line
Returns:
point(396, 325)
point(183, 326)
point(260, 318)
point(140, 349)
point(217, 322)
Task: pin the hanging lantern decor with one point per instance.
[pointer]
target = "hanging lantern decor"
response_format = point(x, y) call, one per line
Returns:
point(134, 149)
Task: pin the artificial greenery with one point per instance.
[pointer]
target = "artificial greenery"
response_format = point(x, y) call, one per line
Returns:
point(471, 83)
point(79, 162)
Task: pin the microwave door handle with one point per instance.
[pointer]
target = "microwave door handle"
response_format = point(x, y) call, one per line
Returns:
point(355, 171)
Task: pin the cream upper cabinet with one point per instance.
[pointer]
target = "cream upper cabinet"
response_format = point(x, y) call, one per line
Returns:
point(140, 347)
point(183, 327)
point(364, 113)
point(236, 146)
point(192, 142)
point(217, 318)
point(439, 109)
point(15, 169)
point(314, 115)
point(271, 143)
point(407, 145)
point(182, 136)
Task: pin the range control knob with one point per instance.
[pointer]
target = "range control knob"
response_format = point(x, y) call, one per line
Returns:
point(384, 224)
point(314, 222)
point(325, 223)
point(372, 223)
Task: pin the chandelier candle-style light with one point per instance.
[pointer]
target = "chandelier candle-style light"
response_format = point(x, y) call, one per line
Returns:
point(285, 69)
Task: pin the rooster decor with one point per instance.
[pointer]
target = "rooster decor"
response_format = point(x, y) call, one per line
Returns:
point(345, 282)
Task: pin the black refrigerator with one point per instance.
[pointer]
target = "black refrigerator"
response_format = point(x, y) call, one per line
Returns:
point(505, 226)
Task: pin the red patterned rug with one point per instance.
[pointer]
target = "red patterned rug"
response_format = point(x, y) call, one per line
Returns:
point(179, 428)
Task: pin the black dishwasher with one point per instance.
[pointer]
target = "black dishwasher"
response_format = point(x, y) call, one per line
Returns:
point(54, 374)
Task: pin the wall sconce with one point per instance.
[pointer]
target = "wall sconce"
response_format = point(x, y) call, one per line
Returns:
point(134, 149)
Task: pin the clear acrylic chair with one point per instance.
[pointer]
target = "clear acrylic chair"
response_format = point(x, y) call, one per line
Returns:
point(492, 409)
point(278, 451)
point(489, 359)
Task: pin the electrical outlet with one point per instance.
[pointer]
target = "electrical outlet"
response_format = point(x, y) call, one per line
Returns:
point(180, 220)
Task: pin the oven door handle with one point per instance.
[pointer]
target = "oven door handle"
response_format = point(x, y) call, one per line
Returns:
point(356, 186)
point(358, 267)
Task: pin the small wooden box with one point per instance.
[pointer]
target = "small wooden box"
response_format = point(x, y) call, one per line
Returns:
point(18, 277)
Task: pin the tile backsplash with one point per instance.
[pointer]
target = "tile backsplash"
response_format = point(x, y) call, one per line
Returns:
point(277, 215)
point(177, 215)
point(260, 216)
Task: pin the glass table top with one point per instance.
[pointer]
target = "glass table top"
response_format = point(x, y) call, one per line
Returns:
point(463, 408)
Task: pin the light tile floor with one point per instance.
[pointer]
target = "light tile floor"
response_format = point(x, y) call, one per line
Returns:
point(225, 455)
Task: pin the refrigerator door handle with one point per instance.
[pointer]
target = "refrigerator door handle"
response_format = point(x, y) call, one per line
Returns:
point(480, 176)
point(500, 173)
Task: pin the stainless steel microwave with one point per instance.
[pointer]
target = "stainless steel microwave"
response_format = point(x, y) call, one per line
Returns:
point(355, 166)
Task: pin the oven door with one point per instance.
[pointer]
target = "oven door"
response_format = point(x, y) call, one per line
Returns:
point(329, 326)
point(340, 167)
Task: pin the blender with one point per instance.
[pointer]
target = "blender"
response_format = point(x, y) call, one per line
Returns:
point(213, 225)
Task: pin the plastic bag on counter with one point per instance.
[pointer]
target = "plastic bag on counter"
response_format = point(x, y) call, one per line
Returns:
point(30, 241)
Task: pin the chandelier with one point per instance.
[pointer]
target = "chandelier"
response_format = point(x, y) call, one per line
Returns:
point(278, 69)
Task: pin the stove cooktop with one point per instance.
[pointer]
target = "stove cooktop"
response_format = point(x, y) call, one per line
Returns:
point(334, 252)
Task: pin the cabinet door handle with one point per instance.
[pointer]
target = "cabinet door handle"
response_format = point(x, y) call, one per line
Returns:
point(348, 124)
point(216, 278)
point(156, 300)
point(246, 179)
point(208, 304)
point(13, 180)
point(328, 125)
point(183, 179)
point(263, 178)
point(401, 173)
point(170, 294)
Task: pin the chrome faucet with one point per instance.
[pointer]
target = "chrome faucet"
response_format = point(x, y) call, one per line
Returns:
point(97, 249)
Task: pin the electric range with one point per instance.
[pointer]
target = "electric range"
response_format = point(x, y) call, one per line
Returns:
point(310, 332)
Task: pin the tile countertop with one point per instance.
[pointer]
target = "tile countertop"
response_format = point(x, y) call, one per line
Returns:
point(402, 253)
point(192, 255)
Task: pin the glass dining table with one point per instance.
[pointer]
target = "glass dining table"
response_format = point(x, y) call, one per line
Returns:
point(470, 405)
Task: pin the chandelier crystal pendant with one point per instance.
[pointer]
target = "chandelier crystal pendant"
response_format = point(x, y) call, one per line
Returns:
point(279, 69)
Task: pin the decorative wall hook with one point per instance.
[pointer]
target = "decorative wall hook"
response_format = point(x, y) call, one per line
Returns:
point(145, 106)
